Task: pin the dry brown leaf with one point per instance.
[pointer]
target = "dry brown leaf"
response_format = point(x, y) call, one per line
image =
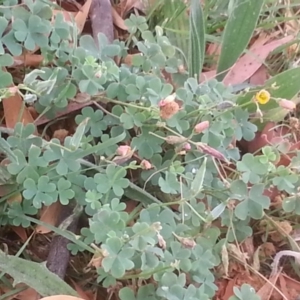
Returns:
point(229, 289)
point(82, 15)
point(70, 108)
point(15, 198)
point(28, 294)
point(286, 290)
point(260, 76)
point(248, 247)
point(290, 282)
point(249, 63)
point(130, 4)
point(28, 60)
point(61, 297)
point(49, 215)
point(265, 292)
point(20, 232)
point(205, 76)
point(292, 26)
point(213, 50)
point(60, 134)
point(82, 98)
point(12, 107)
point(117, 19)
point(83, 294)
point(128, 59)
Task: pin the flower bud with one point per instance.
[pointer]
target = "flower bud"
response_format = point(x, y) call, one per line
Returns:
point(161, 241)
point(123, 150)
point(287, 104)
point(187, 146)
point(146, 165)
point(200, 127)
point(98, 74)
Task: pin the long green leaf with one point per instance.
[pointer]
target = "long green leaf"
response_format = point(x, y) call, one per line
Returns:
point(197, 183)
point(35, 275)
point(196, 39)
point(237, 33)
point(284, 85)
point(101, 146)
point(136, 193)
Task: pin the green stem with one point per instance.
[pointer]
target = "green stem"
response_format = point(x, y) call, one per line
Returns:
point(146, 275)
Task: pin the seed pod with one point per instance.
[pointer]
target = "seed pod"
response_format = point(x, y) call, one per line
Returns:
point(211, 151)
point(174, 139)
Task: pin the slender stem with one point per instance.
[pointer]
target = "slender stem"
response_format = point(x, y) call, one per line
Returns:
point(105, 110)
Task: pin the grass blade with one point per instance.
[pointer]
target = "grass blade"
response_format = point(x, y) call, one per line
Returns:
point(196, 39)
point(197, 183)
point(237, 33)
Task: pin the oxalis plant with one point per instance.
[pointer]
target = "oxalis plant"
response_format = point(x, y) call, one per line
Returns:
point(171, 149)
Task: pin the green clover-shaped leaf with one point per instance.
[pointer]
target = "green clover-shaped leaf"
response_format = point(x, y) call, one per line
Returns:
point(109, 222)
point(285, 180)
point(114, 180)
point(96, 125)
point(118, 259)
point(244, 129)
point(251, 168)
point(65, 192)
point(147, 144)
point(292, 204)
point(246, 292)
point(254, 204)
point(42, 192)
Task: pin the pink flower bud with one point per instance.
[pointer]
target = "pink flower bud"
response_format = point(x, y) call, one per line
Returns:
point(123, 150)
point(98, 74)
point(187, 147)
point(200, 127)
point(146, 165)
point(287, 104)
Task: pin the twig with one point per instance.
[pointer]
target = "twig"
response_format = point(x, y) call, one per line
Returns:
point(101, 19)
point(59, 255)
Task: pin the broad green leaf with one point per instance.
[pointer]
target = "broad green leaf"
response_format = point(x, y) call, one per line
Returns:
point(35, 275)
point(284, 85)
point(292, 204)
point(5, 79)
point(238, 31)
point(6, 60)
point(196, 39)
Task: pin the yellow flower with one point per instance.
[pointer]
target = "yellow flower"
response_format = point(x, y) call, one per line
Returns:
point(262, 97)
